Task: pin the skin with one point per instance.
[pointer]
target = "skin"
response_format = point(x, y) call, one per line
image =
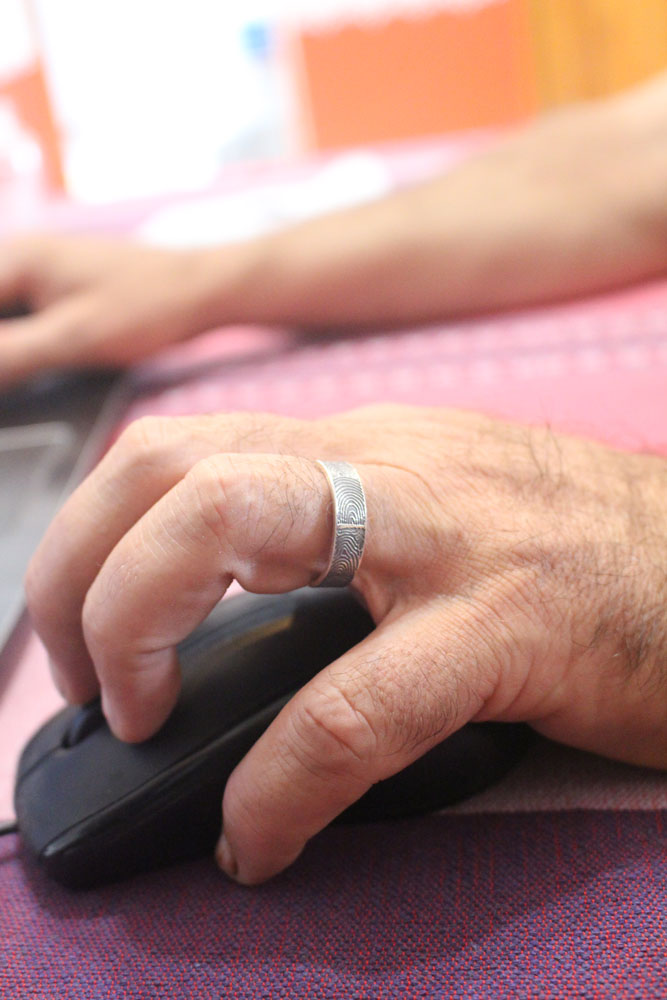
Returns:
point(573, 204)
point(512, 573)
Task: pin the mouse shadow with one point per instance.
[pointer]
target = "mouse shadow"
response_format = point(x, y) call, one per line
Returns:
point(377, 900)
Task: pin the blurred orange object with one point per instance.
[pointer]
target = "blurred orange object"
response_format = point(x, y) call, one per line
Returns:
point(27, 92)
point(23, 88)
point(419, 75)
point(588, 48)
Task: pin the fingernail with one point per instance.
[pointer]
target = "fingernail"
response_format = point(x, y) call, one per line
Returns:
point(225, 858)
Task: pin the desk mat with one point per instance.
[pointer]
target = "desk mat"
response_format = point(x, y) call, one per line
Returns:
point(534, 905)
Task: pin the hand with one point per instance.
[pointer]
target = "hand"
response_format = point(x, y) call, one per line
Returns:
point(513, 574)
point(99, 302)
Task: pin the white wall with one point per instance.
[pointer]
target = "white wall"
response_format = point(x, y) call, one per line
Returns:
point(16, 43)
point(153, 95)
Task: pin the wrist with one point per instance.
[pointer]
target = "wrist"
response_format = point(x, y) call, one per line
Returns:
point(639, 625)
point(229, 285)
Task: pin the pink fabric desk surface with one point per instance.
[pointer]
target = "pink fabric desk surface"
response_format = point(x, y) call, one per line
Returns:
point(596, 367)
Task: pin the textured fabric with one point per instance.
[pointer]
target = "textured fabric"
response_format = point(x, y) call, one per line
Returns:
point(544, 905)
point(596, 367)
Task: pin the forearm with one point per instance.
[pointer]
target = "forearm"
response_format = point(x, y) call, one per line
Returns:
point(573, 204)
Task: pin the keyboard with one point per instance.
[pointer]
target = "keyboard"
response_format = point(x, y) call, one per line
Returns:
point(51, 433)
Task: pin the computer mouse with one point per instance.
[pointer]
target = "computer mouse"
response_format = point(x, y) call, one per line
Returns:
point(93, 809)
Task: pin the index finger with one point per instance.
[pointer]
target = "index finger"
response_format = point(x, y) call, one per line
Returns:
point(262, 520)
point(151, 457)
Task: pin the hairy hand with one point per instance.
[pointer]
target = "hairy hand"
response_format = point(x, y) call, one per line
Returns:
point(97, 302)
point(513, 574)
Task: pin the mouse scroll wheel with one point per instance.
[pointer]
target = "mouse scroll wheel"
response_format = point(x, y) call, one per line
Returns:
point(86, 721)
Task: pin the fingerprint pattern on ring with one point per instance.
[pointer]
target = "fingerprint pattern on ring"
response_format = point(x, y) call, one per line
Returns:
point(349, 505)
point(350, 525)
point(347, 551)
point(350, 501)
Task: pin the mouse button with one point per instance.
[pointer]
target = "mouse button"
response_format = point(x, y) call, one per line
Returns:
point(45, 741)
point(42, 804)
point(72, 785)
point(171, 822)
point(173, 817)
point(87, 719)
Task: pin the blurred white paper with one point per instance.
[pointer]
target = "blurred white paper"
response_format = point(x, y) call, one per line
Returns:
point(349, 179)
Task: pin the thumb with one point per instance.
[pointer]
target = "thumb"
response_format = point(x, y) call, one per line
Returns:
point(373, 712)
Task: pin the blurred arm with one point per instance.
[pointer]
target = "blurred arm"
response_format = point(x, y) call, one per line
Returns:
point(575, 203)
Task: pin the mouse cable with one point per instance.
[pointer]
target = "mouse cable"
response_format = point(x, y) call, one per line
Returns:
point(8, 826)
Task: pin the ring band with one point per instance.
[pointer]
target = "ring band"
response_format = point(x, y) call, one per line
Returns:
point(349, 515)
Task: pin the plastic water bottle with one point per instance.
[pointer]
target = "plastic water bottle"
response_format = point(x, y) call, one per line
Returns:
point(260, 94)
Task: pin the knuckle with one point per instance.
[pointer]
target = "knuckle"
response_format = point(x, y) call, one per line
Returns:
point(143, 442)
point(145, 434)
point(235, 497)
point(213, 495)
point(250, 427)
point(268, 433)
point(255, 508)
point(332, 734)
point(410, 720)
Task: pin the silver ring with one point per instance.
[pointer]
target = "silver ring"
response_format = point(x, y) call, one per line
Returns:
point(349, 515)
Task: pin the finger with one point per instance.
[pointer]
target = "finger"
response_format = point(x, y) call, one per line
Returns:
point(12, 280)
point(20, 260)
point(401, 691)
point(151, 457)
point(43, 267)
point(263, 520)
point(51, 338)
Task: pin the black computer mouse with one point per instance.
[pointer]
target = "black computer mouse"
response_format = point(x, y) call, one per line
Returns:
point(93, 809)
